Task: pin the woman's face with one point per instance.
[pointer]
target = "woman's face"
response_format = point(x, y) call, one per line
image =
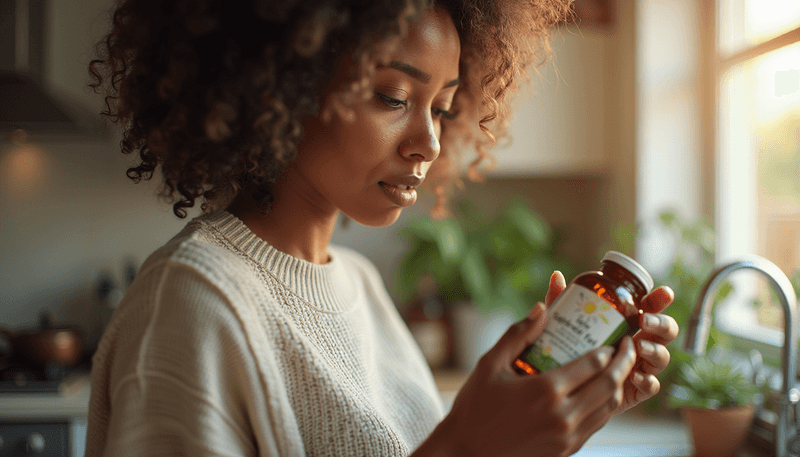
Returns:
point(369, 167)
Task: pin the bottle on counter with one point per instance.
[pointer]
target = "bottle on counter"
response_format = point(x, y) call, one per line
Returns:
point(597, 308)
point(109, 296)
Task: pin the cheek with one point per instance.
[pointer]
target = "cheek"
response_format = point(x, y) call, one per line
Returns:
point(371, 138)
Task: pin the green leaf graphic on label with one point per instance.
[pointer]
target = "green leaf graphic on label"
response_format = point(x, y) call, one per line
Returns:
point(619, 332)
point(541, 360)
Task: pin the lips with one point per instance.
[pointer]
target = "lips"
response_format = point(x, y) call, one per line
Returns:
point(401, 190)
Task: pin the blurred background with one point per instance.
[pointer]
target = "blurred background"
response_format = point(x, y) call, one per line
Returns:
point(668, 129)
point(648, 105)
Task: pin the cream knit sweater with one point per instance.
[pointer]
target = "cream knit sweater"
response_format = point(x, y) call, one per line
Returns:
point(226, 346)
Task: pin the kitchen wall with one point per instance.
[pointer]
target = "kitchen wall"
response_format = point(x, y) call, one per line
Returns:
point(80, 215)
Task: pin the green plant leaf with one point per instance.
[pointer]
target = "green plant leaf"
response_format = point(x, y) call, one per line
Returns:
point(508, 297)
point(450, 240)
point(472, 256)
point(624, 237)
point(413, 266)
point(518, 275)
point(703, 383)
point(469, 215)
point(418, 230)
point(477, 278)
point(535, 230)
point(506, 243)
point(669, 219)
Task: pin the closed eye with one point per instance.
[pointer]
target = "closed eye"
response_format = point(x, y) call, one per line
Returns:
point(390, 101)
point(449, 115)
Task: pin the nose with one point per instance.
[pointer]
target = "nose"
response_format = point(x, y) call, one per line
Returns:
point(422, 143)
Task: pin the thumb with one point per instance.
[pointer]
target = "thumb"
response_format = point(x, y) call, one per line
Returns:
point(519, 336)
point(554, 289)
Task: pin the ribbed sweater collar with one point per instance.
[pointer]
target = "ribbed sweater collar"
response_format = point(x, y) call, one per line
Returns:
point(328, 287)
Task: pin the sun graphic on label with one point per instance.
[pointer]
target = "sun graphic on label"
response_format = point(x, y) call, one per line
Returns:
point(547, 350)
point(591, 307)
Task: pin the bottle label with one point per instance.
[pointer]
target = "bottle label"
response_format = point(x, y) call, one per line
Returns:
point(578, 322)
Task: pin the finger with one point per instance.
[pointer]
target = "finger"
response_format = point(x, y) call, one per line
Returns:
point(655, 356)
point(597, 392)
point(594, 422)
point(557, 285)
point(645, 386)
point(518, 337)
point(658, 299)
point(639, 388)
point(567, 378)
point(660, 328)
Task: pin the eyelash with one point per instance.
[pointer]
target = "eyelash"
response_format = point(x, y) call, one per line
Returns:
point(396, 103)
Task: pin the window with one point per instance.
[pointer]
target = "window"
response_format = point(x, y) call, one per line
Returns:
point(756, 77)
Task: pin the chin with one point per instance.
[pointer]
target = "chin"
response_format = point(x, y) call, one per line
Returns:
point(383, 219)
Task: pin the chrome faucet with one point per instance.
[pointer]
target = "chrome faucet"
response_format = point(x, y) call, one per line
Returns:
point(697, 339)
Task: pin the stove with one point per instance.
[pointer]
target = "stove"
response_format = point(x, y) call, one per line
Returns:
point(20, 377)
point(43, 409)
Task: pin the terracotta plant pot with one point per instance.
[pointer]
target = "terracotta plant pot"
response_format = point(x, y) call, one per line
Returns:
point(718, 433)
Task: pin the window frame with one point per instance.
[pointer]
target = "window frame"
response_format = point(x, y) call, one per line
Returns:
point(712, 69)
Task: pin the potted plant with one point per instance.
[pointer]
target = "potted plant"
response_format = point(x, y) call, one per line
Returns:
point(716, 402)
point(489, 271)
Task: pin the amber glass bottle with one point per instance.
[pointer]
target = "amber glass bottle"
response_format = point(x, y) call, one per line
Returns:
point(597, 308)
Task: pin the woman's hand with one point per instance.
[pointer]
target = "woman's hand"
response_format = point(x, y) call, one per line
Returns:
point(501, 413)
point(657, 330)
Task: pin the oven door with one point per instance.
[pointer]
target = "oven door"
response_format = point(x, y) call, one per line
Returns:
point(38, 438)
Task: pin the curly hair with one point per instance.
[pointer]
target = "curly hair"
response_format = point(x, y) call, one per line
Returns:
point(214, 91)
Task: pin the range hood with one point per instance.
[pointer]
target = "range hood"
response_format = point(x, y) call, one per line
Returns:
point(26, 101)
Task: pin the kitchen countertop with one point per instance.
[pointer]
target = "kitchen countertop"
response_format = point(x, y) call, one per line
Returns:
point(71, 402)
point(639, 435)
point(633, 434)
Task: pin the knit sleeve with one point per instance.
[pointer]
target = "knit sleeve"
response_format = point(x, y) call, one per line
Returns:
point(182, 379)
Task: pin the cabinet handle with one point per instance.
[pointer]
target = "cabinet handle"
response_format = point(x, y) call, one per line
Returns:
point(35, 443)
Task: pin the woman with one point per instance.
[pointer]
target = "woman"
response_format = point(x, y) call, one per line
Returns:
point(248, 333)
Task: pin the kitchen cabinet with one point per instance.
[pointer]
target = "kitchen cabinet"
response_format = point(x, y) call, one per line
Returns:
point(559, 123)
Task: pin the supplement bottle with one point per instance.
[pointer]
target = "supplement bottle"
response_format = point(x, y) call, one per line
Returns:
point(597, 308)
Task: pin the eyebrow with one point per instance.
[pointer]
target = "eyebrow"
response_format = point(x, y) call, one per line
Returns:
point(418, 74)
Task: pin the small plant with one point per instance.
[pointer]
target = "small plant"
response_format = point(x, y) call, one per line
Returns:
point(708, 384)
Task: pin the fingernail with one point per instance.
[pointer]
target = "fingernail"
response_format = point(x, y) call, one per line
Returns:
point(606, 352)
point(631, 345)
point(670, 293)
point(638, 378)
point(651, 321)
point(646, 347)
point(536, 311)
point(557, 276)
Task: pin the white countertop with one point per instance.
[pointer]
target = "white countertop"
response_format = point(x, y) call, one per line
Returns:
point(637, 434)
point(71, 402)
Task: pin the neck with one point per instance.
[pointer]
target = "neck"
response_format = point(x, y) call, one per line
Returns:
point(296, 225)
